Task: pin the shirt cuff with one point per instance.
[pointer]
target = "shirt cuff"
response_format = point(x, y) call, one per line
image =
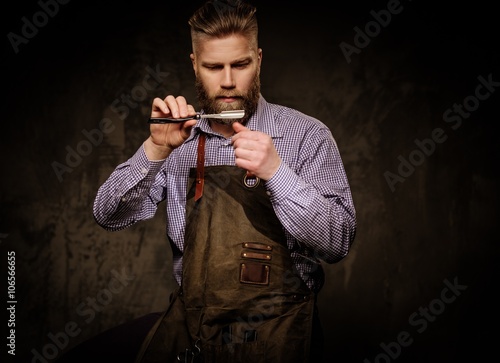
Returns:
point(282, 183)
point(143, 168)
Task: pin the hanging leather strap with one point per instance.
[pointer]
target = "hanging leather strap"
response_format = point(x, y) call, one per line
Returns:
point(200, 168)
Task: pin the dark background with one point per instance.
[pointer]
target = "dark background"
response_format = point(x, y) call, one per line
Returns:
point(435, 228)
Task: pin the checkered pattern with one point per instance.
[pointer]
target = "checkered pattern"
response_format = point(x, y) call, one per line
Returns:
point(310, 192)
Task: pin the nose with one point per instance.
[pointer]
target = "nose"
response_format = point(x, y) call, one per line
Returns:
point(227, 80)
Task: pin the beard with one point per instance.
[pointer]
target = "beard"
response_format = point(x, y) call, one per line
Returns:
point(244, 101)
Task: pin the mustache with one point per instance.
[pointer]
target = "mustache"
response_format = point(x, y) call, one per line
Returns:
point(228, 95)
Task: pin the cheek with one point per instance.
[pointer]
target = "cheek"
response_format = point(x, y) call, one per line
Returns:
point(210, 83)
point(245, 81)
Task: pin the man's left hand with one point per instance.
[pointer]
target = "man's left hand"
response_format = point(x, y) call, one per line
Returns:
point(255, 152)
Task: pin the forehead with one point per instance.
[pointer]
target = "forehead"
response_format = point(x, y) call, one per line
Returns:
point(225, 50)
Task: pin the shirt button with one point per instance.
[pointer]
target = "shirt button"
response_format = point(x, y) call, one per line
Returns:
point(124, 199)
point(144, 171)
point(268, 193)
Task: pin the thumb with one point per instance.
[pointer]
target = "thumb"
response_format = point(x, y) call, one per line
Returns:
point(186, 128)
point(237, 127)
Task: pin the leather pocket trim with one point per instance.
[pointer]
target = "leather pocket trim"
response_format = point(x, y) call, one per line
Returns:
point(254, 273)
point(256, 255)
point(257, 246)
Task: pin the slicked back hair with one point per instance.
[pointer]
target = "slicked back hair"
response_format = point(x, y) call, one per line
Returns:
point(219, 19)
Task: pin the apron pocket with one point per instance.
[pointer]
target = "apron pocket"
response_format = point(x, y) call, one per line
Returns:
point(254, 273)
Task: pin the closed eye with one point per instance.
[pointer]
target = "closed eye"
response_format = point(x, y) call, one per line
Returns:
point(214, 67)
point(241, 64)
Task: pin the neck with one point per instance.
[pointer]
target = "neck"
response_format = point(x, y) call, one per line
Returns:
point(225, 130)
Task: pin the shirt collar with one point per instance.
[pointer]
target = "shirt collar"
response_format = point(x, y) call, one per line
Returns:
point(262, 120)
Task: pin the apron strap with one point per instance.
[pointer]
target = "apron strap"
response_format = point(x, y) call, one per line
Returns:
point(200, 168)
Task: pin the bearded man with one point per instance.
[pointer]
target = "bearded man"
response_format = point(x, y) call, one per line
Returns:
point(254, 205)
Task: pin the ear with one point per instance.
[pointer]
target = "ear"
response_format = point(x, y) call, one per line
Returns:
point(259, 58)
point(193, 61)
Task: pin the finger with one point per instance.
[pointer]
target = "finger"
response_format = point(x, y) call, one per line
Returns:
point(238, 127)
point(172, 104)
point(186, 128)
point(243, 154)
point(191, 110)
point(159, 106)
point(183, 106)
point(248, 138)
point(241, 132)
point(242, 144)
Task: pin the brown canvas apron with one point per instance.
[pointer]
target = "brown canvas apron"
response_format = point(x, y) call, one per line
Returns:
point(241, 298)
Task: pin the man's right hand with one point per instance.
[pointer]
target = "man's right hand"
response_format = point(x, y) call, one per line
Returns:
point(165, 138)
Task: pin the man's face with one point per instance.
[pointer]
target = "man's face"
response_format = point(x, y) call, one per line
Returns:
point(227, 75)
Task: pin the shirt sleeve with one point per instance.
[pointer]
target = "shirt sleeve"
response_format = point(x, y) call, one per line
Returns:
point(313, 201)
point(131, 193)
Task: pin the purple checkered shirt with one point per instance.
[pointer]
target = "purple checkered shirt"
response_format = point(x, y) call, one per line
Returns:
point(310, 192)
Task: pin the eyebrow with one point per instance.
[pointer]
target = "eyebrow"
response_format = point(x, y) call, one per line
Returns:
point(238, 61)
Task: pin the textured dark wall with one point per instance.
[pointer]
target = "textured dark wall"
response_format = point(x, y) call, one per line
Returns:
point(431, 228)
